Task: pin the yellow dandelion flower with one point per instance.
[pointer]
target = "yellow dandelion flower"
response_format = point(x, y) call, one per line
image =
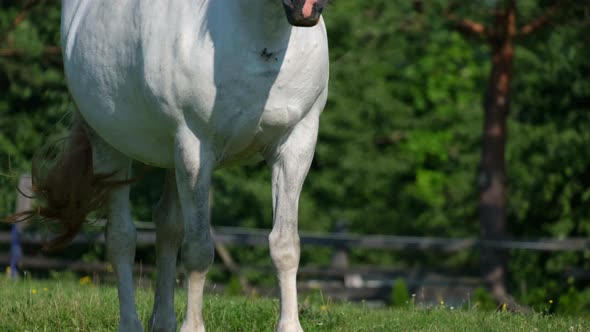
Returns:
point(33, 291)
point(86, 280)
point(323, 307)
point(45, 289)
point(550, 301)
point(503, 306)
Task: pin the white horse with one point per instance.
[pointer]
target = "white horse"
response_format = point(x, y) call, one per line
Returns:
point(191, 86)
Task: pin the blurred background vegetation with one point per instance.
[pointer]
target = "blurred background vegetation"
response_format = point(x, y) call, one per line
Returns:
point(400, 138)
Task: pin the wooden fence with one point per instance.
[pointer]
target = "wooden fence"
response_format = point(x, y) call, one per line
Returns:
point(347, 282)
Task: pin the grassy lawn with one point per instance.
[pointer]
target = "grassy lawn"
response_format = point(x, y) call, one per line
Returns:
point(32, 305)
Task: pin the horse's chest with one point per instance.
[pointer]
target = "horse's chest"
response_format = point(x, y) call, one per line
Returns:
point(256, 102)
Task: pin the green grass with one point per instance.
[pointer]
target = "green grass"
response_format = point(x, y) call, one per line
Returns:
point(32, 305)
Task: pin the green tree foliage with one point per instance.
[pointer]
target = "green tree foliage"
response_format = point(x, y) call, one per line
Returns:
point(34, 97)
point(548, 155)
point(399, 140)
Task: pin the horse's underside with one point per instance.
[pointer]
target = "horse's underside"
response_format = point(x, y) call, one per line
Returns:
point(192, 86)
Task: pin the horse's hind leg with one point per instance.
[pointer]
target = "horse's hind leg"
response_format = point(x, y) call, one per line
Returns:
point(169, 229)
point(194, 163)
point(120, 231)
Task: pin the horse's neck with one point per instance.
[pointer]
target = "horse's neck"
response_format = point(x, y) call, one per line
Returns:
point(263, 20)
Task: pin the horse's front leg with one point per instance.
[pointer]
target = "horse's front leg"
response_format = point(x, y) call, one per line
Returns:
point(120, 230)
point(290, 164)
point(169, 229)
point(194, 166)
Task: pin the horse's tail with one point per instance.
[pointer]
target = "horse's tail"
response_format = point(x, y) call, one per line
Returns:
point(64, 182)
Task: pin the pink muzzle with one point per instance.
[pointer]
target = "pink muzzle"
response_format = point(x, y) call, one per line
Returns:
point(308, 8)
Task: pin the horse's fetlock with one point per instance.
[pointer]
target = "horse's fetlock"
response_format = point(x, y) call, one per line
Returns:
point(159, 325)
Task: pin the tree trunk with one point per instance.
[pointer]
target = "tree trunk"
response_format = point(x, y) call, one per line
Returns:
point(492, 174)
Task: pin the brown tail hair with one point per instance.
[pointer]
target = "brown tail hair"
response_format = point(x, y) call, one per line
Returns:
point(66, 186)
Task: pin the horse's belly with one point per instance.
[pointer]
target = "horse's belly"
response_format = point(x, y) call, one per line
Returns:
point(235, 126)
point(144, 139)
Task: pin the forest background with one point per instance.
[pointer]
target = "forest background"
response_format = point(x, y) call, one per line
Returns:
point(401, 136)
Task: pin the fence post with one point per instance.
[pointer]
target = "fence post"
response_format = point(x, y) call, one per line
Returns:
point(23, 203)
point(340, 258)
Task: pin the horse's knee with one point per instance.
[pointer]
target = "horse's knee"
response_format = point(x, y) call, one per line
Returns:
point(198, 252)
point(284, 249)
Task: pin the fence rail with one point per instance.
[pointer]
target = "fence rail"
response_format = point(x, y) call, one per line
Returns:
point(238, 236)
point(341, 242)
